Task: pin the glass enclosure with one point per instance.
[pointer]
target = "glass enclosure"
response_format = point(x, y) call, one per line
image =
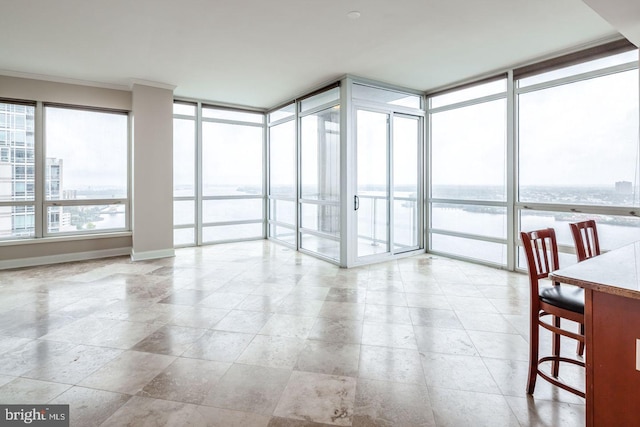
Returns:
point(320, 174)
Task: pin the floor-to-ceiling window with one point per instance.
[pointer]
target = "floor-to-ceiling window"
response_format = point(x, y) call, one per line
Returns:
point(282, 192)
point(468, 172)
point(578, 149)
point(319, 183)
point(218, 174)
point(548, 144)
point(185, 180)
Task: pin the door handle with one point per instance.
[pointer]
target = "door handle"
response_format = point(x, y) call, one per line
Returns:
point(356, 203)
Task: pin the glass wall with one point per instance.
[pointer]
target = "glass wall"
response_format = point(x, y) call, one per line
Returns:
point(559, 145)
point(320, 174)
point(282, 175)
point(218, 179)
point(468, 192)
point(578, 149)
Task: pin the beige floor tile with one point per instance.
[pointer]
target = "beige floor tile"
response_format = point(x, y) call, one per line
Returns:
point(391, 364)
point(170, 340)
point(25, 390)
point(221, 346)
point(272, 351)
point(89, 407)
point(249, 388)
point(185, 380)
point(330, 358)
point(457, 408)
point(128, 373)
point(319, 398)
point(382, 403)
point(146, 412)
point(206, 416)
point(389, 335)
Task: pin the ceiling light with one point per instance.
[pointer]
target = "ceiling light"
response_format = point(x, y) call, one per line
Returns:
point(353, 15)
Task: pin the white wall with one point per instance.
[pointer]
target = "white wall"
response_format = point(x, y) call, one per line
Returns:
point(152, 173)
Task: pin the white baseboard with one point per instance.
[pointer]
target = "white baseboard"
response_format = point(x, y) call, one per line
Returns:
point(57, 259)
point(146, 255)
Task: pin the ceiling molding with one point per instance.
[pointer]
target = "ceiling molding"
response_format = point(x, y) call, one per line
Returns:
point(65, 80)
point(150, 83)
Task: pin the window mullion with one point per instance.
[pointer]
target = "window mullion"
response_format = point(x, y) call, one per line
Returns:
point(39, 158)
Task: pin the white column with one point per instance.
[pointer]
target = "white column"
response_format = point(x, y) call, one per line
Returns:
point(152, 171)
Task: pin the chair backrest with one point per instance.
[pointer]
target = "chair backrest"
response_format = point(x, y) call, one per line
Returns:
point(585, 237)
point(541, 249)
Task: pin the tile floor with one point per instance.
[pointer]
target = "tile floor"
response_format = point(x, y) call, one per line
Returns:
point(255, 334)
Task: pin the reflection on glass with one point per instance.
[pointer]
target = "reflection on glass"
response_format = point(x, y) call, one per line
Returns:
point(579, 142)
point(17, 221)
point(283, 211)
point(468, 152)
point(66, 219)
point(320, 173)
point(323, 218)
point(327, 247)
point(86, 154)
point(284, 234)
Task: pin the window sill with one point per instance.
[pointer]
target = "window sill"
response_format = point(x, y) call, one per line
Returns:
point(54, 239)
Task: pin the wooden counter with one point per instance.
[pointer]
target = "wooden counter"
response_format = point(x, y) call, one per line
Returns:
point(612, 326)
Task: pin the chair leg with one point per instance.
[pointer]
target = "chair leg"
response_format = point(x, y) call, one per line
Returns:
point(534, 339)
point(580, 349)
point(555, 365)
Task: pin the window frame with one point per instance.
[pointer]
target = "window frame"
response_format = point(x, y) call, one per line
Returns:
point(35, 199)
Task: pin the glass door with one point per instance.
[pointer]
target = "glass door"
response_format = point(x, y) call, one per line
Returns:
point(387, 202)
point(372, 198)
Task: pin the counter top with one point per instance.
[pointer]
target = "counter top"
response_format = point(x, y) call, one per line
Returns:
point(615, 272)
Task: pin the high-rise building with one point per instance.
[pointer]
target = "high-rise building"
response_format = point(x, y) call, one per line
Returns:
point(17, 172)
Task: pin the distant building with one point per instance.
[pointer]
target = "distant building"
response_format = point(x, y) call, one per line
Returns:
point(17, 173)
point(624, 187)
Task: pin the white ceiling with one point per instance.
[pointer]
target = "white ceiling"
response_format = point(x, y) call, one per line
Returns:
point(260, 53)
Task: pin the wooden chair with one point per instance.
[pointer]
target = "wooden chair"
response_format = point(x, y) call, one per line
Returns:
point(557, 301)
point(585, 238)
